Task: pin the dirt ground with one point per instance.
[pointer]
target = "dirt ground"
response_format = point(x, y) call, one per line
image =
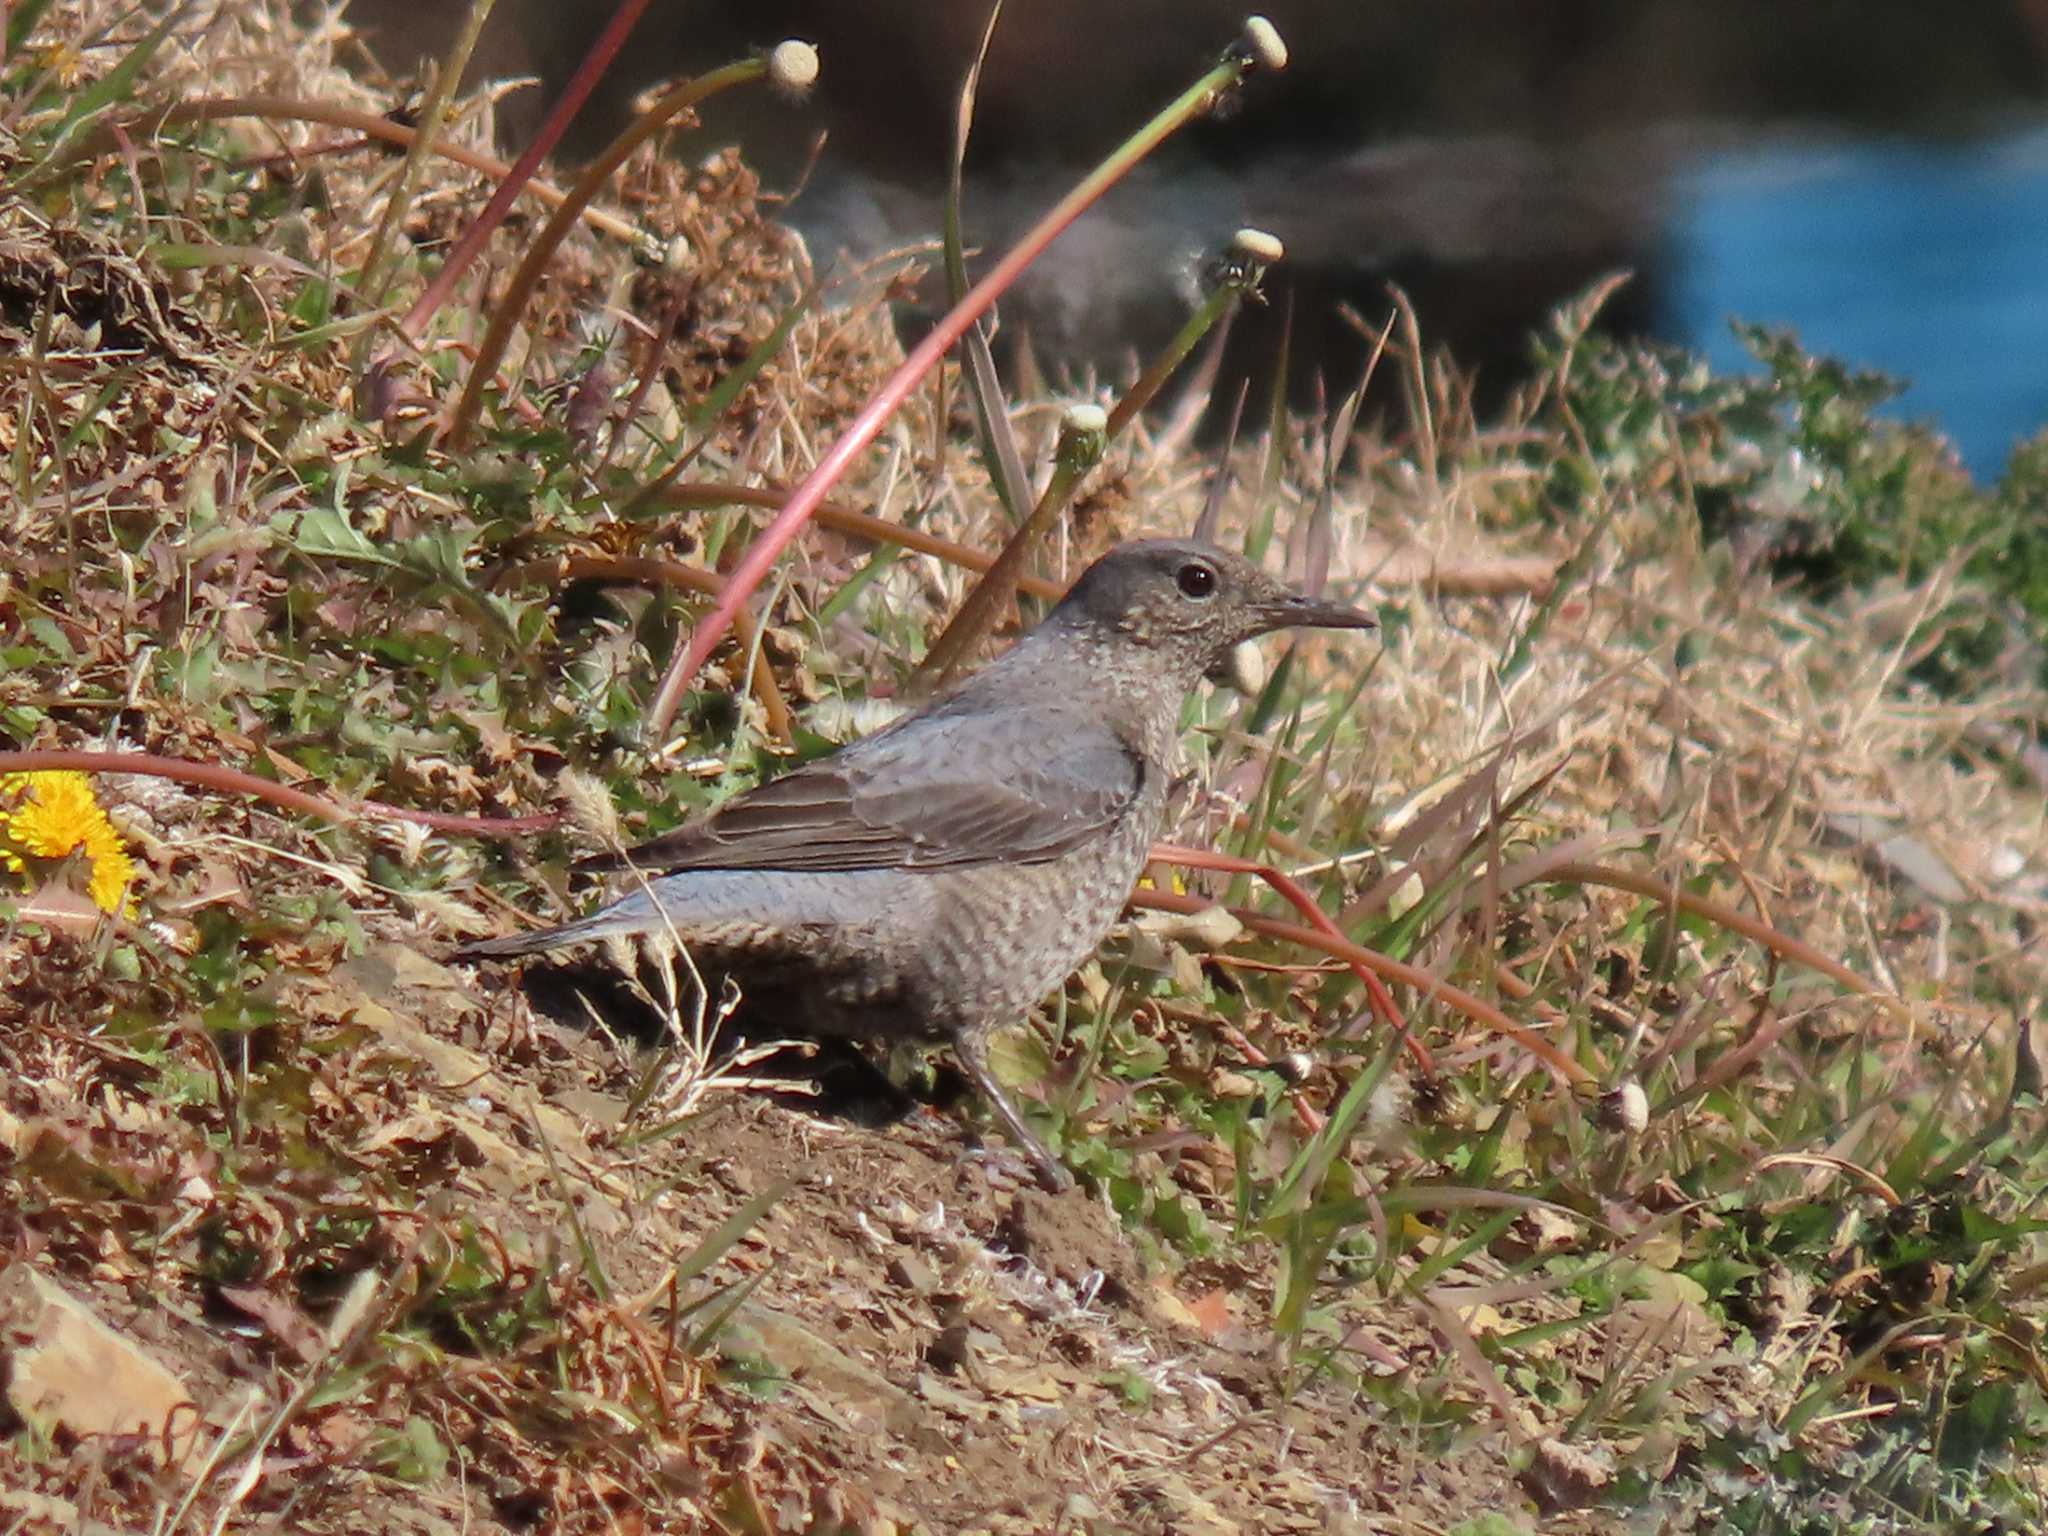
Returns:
point(919, 1338)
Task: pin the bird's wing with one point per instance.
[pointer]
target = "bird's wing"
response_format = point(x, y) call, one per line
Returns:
point(930, 794)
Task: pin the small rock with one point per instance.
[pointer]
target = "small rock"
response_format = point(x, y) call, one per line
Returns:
point(65, 1367)
point(952, 1351)
point(1562, 1476)
point(912, 1274)
point(1889, 843)
point(605, 1109)
point(858, 1392)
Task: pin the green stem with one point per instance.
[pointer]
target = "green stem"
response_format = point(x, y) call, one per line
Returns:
point(995, 592)
point(377, 267)
point(1153, 379)
point(369, 124)
point(1078, 453)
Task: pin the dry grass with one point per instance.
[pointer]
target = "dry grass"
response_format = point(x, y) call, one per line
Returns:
point(422, 1257)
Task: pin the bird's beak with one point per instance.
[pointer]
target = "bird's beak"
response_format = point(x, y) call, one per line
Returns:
point(1296, 610)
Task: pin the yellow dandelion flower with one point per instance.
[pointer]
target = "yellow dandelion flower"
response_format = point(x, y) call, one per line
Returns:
point(51, 815)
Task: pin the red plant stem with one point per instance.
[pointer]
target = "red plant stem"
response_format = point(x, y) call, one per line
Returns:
point(235, 781)
point(1305, 904)
point(1722, 915)
point(639, 570)
point(1560, 1065)
point(762, 554)
point(863, 525)
point(564, 111)
point(1306, 1114)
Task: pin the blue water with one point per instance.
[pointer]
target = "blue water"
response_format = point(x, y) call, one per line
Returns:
point(1928, 262)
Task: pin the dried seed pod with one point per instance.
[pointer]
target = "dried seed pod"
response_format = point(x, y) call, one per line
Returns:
point(1257, 245)
point(793, 68)
point(1263, 44)
point(1245, 669)
point(1295, 1067)
point(1625, 1108)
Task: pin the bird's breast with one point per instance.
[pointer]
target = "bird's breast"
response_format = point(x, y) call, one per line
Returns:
point(1003, 936)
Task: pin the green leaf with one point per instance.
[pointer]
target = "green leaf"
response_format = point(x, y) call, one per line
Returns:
point(1305, 1176)
point(715, 1245)
point(325, 532)
point(21, 21)
point(707, 1332)
point(414, 1453)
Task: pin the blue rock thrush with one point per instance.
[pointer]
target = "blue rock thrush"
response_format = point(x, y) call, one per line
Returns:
point(936, 879)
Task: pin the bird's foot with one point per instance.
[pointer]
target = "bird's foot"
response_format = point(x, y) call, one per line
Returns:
point(1053, 1177)
point(1012, 1165)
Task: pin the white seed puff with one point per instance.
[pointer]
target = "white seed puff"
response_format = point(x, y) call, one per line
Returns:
point(793, 67)
point(1263, 42)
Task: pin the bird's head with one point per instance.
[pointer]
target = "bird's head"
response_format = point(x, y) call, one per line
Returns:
point(1191, 600)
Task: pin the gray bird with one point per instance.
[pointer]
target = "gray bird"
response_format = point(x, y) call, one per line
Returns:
point(935, 880)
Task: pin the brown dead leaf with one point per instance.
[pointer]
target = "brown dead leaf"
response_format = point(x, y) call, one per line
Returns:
point(280, 1319)
point(1044, 1384)
point(55, 904)
point(1212, 1312)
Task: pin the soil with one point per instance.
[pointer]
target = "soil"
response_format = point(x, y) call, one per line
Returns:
point(919, 1338)
point(962, 1351)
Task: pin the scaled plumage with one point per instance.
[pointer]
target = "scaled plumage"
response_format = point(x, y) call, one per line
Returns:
point(935, 879)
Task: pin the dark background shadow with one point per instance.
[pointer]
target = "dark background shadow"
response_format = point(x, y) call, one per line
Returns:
point(1493, 159)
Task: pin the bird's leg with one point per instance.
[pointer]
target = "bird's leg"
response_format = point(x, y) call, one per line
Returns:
point(1052, 1176)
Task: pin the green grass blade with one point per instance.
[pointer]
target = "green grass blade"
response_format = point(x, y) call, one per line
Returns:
point(999, 444)
point(21, 22)
point(731, 1230)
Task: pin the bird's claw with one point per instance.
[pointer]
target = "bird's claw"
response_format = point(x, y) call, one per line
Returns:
point(1019, 1166)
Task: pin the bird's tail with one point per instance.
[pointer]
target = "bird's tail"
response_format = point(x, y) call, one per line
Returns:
point(582, 931)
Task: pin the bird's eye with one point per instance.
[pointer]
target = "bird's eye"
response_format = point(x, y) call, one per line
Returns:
point(1196, 580)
